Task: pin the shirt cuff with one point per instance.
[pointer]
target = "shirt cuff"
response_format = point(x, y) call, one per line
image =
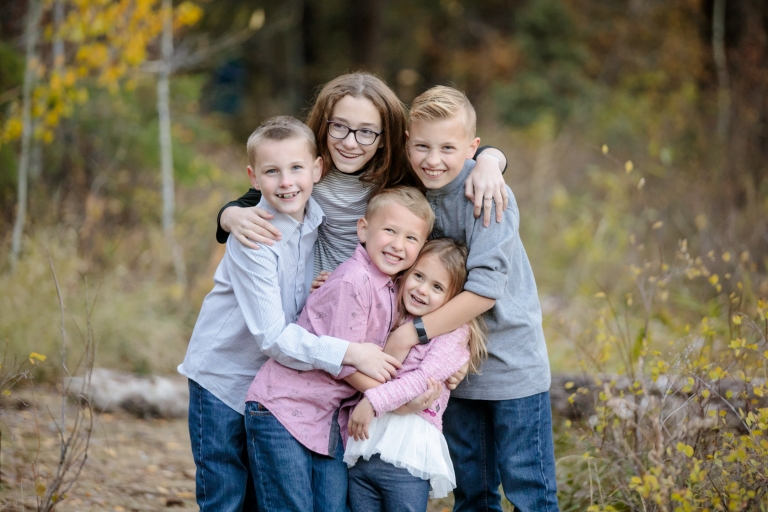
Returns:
point(333, 354)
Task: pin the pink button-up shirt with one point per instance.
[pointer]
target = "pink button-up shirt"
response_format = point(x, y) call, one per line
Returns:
point(356, 304)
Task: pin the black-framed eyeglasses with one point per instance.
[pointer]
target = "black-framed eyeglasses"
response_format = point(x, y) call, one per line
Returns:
point(363, 136)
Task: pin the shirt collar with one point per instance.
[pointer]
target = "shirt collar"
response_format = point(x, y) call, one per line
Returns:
point(457, 182)
point(287, 225)
point(380, 279)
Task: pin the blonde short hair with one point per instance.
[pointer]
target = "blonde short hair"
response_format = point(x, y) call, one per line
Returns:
point(409, 197)
point(441, 102)
point(280, 128)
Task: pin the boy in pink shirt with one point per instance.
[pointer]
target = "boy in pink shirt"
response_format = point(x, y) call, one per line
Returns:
point(292, 416)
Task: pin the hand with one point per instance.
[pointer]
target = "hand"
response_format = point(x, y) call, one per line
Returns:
point(457, 377)
point(360, 420)
point(249, 226)
point(319, 280)
point(424, 401)
point(484, 185)
point(372, 361)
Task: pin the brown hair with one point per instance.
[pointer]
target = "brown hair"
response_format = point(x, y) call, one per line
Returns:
point(389, 165)
point(453, 255)
point(279, 128)
point(441, 102)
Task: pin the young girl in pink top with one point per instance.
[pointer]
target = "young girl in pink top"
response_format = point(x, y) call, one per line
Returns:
point(405, 455)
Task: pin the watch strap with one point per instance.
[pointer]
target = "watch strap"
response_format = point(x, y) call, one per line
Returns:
point(421, 332)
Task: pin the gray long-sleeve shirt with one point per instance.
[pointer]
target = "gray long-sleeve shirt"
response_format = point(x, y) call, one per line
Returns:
point(499, 269)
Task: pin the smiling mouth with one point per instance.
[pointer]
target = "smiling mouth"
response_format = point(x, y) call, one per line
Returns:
point(290, 195)
point(348, 155)
point(433, 173)
point(391, 258)
point(418, 300)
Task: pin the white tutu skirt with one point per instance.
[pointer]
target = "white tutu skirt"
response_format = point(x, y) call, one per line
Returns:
point(411, 442)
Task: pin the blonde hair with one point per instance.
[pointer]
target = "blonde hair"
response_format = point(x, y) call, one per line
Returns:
point(279, 128)
point(453, 255)
point(389, 166)
point(409, 197)
point(441, 102)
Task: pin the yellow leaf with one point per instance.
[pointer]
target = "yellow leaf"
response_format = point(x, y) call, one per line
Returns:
point(705, 393)
point(7, 392)
point(657, 225)
point(40, 487)
point(628, 166)
point(685, 449)
point(35, 355)
point(714, 279)
point(726, 257)
point(641, 184)
point(599, 295)
point(568, 385)
point(736, 319)
point(257, 21)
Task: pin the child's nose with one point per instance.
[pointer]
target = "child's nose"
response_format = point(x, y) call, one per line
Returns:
point(433, 157)
point(350, 141)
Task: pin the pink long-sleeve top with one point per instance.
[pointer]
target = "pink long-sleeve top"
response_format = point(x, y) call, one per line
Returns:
point(439, 359)
point(357, 304)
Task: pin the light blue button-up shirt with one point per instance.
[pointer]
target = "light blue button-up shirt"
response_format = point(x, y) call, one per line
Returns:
point(248, 316)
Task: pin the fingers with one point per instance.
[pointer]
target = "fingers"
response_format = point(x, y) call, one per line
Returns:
point(245, 241)
point(469, 191)
point(498, 200)
point(478, 200)
point(487, 207)
point(505, 199)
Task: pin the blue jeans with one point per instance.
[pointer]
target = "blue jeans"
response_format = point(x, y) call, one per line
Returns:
point(287, 475)
point(507, 442)
point(217, 434)
point(377, 486)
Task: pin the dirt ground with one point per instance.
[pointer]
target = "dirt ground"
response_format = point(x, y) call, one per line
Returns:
point(133, 464)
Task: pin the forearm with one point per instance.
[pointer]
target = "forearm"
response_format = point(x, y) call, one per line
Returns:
point(455, 313)
point(361, 382)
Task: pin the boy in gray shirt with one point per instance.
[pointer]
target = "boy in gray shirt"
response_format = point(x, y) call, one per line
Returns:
point(498, 424)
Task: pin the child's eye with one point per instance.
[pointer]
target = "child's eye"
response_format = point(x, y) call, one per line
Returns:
point(417, 275)
point(297, 168)
point(270, 171)
point(448, 148)
point(366, 133)
point(413, 238)
point(389, 230)
point(438, 288)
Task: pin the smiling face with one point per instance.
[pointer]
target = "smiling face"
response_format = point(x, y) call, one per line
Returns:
point(393, 237)
point(357, 113)
point(437, 149)
point(285, 171)
point(426, 286)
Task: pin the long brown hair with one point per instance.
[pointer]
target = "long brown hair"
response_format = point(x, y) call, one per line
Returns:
point(453, 255)
point(389, 166)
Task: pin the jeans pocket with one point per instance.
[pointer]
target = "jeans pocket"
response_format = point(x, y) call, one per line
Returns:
point(255, 409)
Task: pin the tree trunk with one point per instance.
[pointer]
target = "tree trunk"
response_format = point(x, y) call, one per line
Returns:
point(723, 79)
point(166, 148)
point(31, 35)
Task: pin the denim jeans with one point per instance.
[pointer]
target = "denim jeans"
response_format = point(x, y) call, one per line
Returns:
point(507, 442)
point(217, 434)
point(287, 475)
point(377, 486)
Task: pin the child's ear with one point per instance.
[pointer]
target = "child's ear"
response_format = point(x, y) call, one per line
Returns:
point(252, 177)
point(474, 144)
point(362, 229)
point(317, 169)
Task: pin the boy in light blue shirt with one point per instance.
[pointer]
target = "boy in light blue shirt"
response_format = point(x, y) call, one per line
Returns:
point(248, 316)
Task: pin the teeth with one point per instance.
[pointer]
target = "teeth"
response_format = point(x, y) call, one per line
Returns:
point(347, 155)
point(433, 173)
point(416, 299)
point(287, 196)
point(392, 258)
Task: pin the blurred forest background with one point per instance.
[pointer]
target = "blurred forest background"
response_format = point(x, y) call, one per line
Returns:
point(636, 133)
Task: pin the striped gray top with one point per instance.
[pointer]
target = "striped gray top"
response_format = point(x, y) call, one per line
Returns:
point(343, 198)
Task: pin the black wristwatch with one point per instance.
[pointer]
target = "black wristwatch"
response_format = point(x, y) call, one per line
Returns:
point(418, 323)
